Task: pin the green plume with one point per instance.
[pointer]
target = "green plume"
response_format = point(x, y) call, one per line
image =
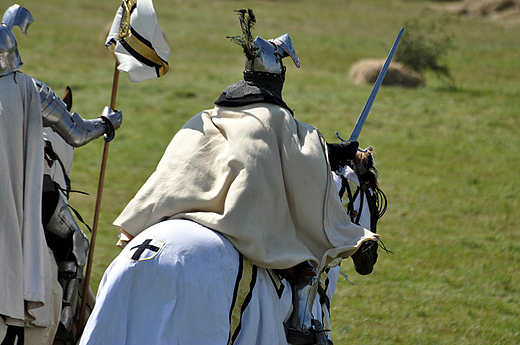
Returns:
point(247, 21)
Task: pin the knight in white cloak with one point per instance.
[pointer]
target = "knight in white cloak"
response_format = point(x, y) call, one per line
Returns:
point(30, 294)
point(252, 172)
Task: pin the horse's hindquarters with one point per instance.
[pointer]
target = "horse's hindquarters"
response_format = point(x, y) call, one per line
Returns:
point(181, 283)
point(160, 287)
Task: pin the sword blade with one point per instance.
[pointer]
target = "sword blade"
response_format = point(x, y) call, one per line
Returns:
point(366, 109)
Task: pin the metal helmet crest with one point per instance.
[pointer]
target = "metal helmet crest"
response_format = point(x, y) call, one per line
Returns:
point(10, 60)
point(270, 54)
point(263, 55)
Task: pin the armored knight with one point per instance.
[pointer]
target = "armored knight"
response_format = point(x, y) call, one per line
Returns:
point(264, 76)
point(252, 172)
point(62, 232)
point(71, 127)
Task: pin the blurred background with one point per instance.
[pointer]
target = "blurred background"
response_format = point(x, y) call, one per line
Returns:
point(447, 142)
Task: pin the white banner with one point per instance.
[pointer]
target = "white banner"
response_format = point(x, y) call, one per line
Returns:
point(137, 41)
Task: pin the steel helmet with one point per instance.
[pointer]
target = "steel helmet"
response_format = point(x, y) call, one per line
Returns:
point(263, 55)
point(10, 60)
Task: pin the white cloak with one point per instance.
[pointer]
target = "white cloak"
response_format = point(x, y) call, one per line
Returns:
point(25, 262)
point(258, 176)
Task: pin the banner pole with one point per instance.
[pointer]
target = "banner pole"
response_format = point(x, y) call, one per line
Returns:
point(86, 283)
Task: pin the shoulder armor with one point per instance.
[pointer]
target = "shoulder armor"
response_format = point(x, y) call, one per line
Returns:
point(52, 107)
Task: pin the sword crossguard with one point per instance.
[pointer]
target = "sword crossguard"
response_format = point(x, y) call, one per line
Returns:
point(340, 138)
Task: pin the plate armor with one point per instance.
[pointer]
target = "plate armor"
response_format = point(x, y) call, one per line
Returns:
point(72, 127)
point(10, 60)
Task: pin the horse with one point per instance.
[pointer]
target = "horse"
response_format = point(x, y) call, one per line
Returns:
point(179, 282)
point(58, 161)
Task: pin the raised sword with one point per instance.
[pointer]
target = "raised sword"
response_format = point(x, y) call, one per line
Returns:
point(366, 109)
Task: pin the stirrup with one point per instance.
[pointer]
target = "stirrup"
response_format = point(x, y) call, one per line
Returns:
point(313, 336)
point(297, 337)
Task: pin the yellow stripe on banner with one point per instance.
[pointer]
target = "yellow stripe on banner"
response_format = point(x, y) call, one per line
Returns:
point(124, 27)
point(242, 295)
point(147, 52)
point(143, 50)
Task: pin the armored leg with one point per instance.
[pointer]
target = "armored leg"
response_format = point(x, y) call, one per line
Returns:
point(301, 328)
point(71, 246)
point(70, 277)
point(63, 225)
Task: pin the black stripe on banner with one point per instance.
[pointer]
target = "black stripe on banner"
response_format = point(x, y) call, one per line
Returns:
point(148, 44)
point(141, 38)
point(139, 57)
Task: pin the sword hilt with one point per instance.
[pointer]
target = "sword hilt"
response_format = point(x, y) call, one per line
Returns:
point(340, 138)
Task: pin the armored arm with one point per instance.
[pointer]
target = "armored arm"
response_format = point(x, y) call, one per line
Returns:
point(75, 130)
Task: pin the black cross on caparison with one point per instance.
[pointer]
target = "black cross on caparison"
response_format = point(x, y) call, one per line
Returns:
point(141, 248)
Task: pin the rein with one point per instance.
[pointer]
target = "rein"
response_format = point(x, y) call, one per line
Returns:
point(377, 201)
point(51, 157)
point(375, 197)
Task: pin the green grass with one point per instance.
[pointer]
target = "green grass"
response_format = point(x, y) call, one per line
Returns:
point(448, 156)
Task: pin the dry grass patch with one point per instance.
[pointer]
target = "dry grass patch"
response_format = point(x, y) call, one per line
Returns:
point(366, 72)
point(499, 10)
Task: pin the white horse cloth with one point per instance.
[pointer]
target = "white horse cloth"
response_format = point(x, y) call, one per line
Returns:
point(181, 283)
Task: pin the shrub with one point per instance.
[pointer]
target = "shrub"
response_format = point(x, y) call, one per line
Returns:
point(422, 46)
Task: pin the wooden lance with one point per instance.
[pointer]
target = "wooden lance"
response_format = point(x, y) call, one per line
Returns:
point(97, 209)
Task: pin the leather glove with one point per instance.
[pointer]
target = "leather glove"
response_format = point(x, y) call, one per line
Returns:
point(342, 152)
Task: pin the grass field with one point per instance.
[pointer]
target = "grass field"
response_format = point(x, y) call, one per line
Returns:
point(448, 156)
